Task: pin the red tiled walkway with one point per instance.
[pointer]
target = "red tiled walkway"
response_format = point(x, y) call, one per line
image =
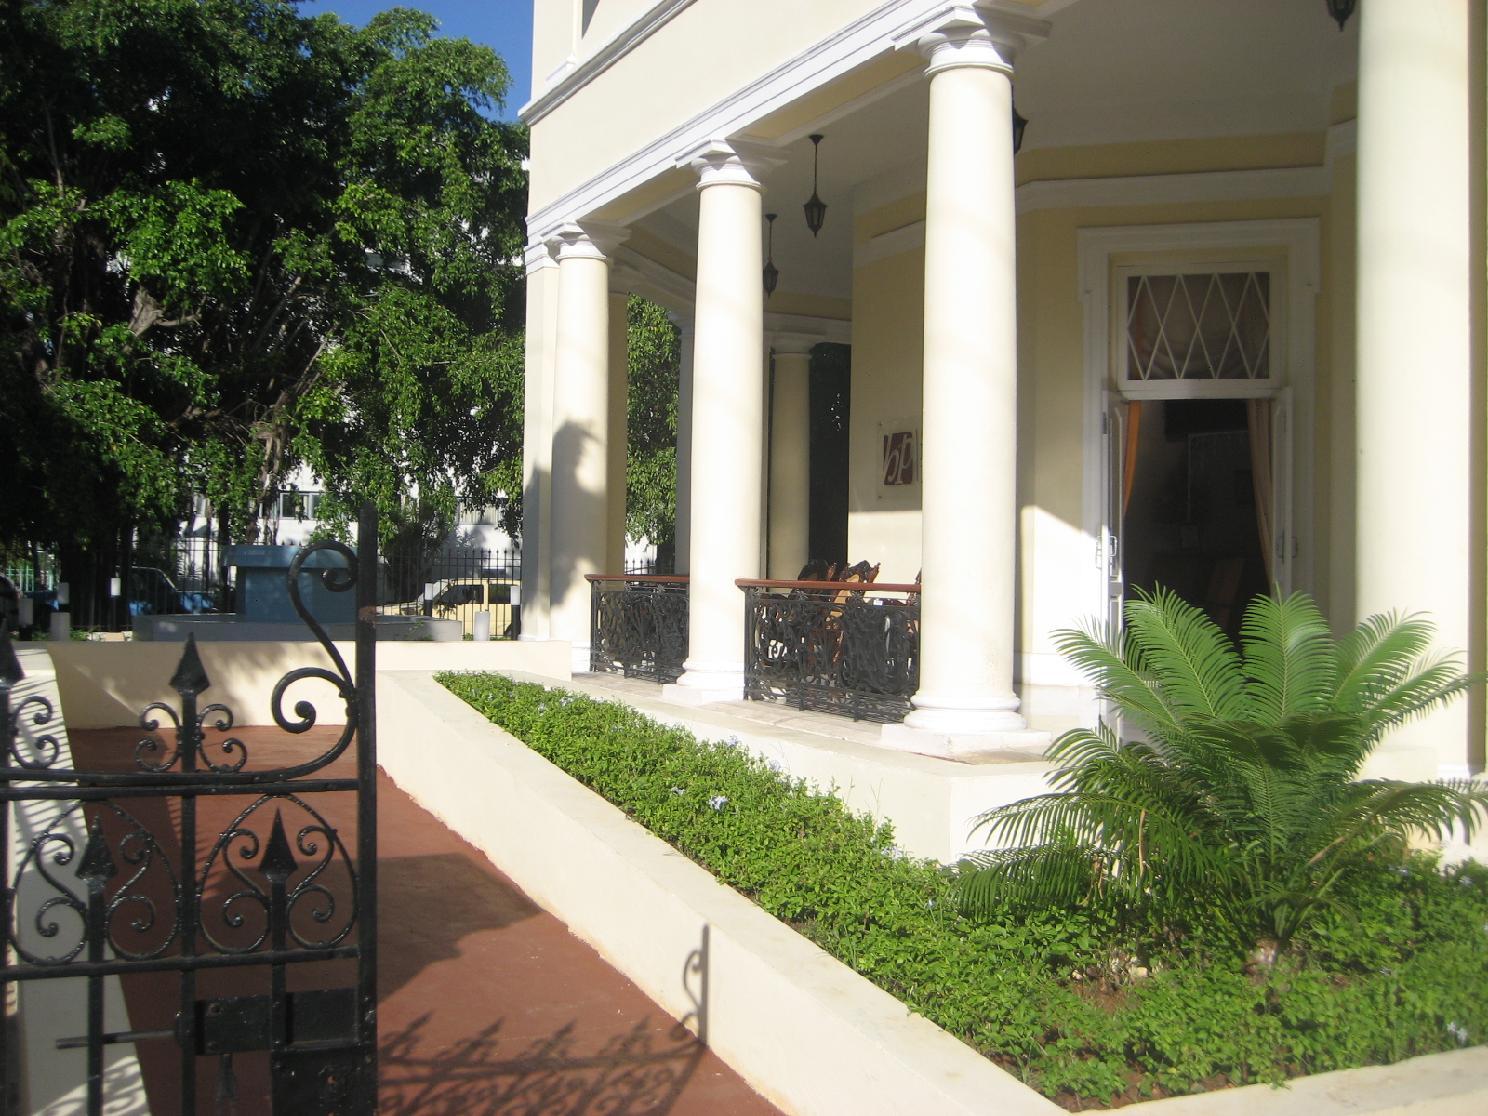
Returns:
point(487, 1003)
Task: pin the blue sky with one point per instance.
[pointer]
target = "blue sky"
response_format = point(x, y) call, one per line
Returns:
point(503, 25)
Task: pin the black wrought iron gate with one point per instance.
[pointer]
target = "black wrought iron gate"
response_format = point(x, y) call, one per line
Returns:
point(263, 929)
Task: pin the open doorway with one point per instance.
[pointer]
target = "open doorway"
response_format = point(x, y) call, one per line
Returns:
point(1194, 516)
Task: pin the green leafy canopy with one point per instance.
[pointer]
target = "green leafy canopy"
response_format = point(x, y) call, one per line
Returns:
point(234, 239)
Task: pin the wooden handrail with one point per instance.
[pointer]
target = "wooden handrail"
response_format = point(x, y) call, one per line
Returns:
point(829, 586)
point(649, 578)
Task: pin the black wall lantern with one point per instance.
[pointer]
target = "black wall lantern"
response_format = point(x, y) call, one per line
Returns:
point(1018, 125)
point(1340, 10)
point(772, 273)
point(816, 209)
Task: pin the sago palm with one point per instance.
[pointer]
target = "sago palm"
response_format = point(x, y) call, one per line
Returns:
point(1241, 793)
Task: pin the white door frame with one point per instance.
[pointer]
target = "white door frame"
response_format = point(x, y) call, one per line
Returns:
point(1295, 244)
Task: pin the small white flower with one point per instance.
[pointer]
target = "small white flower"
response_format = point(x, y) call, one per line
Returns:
point(718, 801)
point(929, 904)
point(1458, 1032)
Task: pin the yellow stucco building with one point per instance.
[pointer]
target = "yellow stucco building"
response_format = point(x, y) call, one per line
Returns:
point(1218, 323)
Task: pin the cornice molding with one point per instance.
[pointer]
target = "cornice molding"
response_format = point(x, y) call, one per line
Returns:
point(573, 76)
point(869, 36)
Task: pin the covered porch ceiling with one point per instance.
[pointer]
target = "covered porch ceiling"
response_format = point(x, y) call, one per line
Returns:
point(1135, 72)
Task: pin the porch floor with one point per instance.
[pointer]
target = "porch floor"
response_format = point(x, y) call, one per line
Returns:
point(486, 1003)
point(931, 801)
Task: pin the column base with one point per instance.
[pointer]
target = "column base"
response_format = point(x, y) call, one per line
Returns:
point(578, 661)
point(987, 734)
point(705, 683)
point(996, 746)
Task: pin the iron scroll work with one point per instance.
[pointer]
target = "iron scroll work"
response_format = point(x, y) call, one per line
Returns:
point(838, 647)
point(115, 874)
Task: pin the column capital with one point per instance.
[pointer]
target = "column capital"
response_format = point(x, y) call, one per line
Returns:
point(591, 240)
point(735, 162)
point(798, 343)
point(962, 34)
point(537, 257)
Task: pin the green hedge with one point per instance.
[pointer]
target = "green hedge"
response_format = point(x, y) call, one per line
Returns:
point(1398, 968)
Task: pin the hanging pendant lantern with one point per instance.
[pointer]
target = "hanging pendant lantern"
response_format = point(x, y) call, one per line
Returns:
point(816, 209)
point(1340, 10)
point(1019, 123)
point(772, 273)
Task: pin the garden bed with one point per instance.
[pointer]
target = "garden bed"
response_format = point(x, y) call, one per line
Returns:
point(1059, 1001)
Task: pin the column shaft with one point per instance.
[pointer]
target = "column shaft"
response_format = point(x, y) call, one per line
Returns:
point(682, 539)
point(1414, 342)
point(966, 702)
point(790, 459)
point(580, 458)
point(727, 422)
point(537, 442)
point(619, 440)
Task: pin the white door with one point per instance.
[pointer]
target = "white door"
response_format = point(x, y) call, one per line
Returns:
point(1283, 536)
point(1113, 458)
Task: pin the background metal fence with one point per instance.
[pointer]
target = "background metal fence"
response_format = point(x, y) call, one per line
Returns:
point(457, 585)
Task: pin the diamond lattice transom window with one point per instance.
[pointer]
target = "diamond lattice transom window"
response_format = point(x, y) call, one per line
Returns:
point(1199, 326)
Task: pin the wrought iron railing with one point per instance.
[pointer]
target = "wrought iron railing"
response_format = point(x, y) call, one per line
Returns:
point(842, 647)
point(638, 625)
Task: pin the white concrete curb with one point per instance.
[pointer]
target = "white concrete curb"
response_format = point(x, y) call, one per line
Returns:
point(805, 1030)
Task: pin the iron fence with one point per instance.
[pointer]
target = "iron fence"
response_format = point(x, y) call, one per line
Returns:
point(457, 585)
point(638, 625)
point(840, 647)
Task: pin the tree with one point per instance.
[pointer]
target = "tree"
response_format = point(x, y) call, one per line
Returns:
point(232, 238)
point(1242, 794)
point(651, 451)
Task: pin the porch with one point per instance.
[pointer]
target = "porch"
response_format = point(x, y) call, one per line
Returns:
point(1034, 216)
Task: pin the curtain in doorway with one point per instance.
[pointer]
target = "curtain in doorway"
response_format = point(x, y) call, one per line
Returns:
point(1129, 452)
point(1258, 420)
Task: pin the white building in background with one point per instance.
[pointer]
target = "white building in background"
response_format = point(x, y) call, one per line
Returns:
point(1218, 323)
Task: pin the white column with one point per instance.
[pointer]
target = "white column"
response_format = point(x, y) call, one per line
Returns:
point(727, 419)
point(619, 428)
point(581, 416)
point(966, 705)
point(537, 440)
point(790, 455)
point(683, 535)
point(1415, 489)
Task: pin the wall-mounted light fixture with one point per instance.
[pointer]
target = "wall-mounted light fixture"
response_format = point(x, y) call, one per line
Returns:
point(1340, 10)
point(816, 209)
point(772, 273)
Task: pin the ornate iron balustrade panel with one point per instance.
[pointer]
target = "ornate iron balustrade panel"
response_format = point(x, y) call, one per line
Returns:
point(116, 875)
point(638, 626)
point(832, 648)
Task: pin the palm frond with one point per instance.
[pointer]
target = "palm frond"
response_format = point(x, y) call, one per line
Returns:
point(1057, 874)
point(1434, 684)
point(1289, 657)
point(1402, 809)
point(1192, 661)
point(1377, 656)
point(1106, 666)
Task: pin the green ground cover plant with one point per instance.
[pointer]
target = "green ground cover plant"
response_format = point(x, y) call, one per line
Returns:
point(1088, 1007)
